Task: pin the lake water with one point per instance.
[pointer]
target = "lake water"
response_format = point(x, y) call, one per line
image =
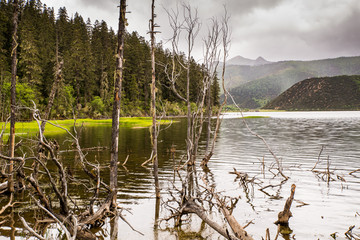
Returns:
point(295, 137)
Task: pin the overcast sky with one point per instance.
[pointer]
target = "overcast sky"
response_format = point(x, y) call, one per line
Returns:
point(274, 29)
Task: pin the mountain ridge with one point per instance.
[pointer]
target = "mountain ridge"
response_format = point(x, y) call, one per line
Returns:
point(254, 86)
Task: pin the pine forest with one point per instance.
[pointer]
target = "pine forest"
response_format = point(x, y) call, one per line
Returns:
point(83, 53)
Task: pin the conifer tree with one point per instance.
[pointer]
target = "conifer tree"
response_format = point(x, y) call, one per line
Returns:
point(29, 56)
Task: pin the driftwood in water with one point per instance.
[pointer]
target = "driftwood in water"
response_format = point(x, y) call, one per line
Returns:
point(357, 170)
point(74, 225)
point(283, 216)
point(190, 204)
point(237, 229)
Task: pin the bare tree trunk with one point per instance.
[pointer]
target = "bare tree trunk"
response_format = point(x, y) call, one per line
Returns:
point(1, 97)
point(58, 70)
point(189, 141)
point(192, 27)
point(13, 94)
point(225, 45)
point(209, 114)
point(116, 104)
point(153, 100)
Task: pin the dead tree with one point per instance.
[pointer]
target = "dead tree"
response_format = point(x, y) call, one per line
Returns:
point(183, 202)
point(58, 181)
point(154, 134)
point(191, 25)
point(187, 203)
point(116, 103)
point(226, 35)
point(74, 220)
point(13, 92)
point(211, 53)
point(57, 78)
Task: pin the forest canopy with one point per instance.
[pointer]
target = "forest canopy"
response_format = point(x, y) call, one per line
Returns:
point(87, 53)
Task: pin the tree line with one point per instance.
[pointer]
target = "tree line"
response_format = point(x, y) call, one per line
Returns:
point(87, 52)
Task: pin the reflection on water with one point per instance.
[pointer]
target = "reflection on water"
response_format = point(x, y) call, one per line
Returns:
point(296, 138)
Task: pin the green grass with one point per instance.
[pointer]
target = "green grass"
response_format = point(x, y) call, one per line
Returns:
point(32, 128)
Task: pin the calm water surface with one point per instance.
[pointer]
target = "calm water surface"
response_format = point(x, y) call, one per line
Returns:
point(295, 137)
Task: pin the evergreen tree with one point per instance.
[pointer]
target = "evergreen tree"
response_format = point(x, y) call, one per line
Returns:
point(88, 53)
point(78, 67)
point(5, 43)
point(63, 27)
point(215, 92)
point(30, 71)
point(103, 55)
point(47, 50)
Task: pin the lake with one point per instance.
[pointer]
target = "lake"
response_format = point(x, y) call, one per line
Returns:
point(320, 208)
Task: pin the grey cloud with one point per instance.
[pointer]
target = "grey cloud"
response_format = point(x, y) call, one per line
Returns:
point(343, 37)
point(98, 3)
point(275, 29)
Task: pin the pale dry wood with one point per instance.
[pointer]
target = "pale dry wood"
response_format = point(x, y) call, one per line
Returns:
point(31, 230)
point(226, 36)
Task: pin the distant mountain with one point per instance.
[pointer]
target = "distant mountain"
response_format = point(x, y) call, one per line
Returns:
point(254, 86)
point(260, 61)
point(241, 61)
point(328, 93)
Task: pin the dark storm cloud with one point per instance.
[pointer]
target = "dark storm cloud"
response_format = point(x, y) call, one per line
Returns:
point(342, 36)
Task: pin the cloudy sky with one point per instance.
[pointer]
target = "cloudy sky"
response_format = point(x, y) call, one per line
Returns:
point(274, 29)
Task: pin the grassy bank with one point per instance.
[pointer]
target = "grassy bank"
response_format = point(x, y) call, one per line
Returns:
point(32, 128)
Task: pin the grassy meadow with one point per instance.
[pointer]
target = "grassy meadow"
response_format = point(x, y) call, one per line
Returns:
point(32, 128)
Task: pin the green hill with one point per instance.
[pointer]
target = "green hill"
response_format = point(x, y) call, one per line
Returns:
point(327, 93)
point(254, 86)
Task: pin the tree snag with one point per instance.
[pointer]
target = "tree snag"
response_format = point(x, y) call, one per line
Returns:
point(57, 78)
point(283, 217)
point(116, 103)
point(13, 93)
point(226, 35)
point(154, 131)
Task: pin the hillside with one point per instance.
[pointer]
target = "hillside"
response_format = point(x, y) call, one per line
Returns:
point(327, 93)
point(254, 86)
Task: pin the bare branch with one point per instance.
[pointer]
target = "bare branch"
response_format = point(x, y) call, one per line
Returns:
point(32, 231)
point(3, 127)
point(262, 139)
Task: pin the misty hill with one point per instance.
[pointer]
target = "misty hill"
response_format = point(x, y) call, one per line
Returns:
point(239, 60)
point(254, 86)
point(328, 93)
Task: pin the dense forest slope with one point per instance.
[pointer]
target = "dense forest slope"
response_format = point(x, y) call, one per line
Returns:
point(87, 51)
point(254, 86)
point(327, 93)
